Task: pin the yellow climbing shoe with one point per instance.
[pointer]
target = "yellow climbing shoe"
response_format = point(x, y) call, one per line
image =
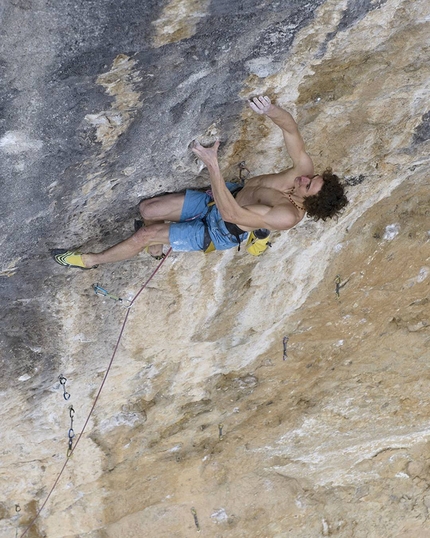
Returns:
point(69, 258)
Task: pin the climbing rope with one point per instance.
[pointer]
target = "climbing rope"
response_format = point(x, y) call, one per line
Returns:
point(73, 448)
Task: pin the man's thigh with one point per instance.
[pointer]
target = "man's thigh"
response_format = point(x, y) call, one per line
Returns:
point(162, 208)
point(176, 207)
point(195, 205)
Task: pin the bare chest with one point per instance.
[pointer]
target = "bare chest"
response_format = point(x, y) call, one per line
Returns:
point(260, 195)
point(268, 189)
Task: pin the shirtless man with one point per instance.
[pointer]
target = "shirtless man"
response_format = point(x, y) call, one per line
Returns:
point(275, 201)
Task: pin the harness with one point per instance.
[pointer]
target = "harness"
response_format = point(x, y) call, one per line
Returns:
point(258, 240)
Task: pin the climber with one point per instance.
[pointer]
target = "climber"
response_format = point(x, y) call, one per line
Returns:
point(225, 215)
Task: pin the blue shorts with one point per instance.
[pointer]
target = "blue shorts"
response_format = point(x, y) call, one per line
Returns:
point(189, 233)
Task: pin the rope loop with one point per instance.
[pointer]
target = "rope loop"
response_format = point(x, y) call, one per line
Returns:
point(72, 448)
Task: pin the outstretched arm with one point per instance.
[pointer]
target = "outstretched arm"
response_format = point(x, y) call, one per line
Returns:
point(253, 217)
point(292, 137)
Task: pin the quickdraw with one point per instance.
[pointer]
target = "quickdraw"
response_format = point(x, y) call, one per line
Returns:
point(71, 433)
point(62, 379)
point(284, 343)
point(196, 521)
point(98, 290)
point(338, 286)
point(242, 169)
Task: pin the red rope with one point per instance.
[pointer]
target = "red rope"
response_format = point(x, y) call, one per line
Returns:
point(98, 393)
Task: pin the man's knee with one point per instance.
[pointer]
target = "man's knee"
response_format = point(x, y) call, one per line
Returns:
point(148, 208)
point(153, 234)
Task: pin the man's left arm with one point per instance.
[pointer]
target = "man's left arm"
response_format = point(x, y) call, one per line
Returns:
point(255, 216)
point(225, 202)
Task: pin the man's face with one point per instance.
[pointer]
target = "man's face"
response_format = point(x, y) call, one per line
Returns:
point(308, 186)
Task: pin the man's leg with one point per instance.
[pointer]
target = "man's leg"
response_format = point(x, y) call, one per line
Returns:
point(156, 234)
point(186, 231)
point(159, 209)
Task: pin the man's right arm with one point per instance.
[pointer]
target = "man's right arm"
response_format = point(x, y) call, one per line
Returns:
point(292, 137)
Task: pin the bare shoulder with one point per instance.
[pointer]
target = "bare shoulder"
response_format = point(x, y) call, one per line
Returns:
point(304, 166)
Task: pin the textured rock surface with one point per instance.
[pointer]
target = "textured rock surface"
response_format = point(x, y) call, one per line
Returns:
point(100, 101)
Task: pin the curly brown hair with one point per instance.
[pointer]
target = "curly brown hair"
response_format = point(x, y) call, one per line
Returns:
point(330, 199)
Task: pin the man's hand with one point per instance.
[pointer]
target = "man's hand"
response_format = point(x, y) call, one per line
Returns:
point(209, 156)
point(260, 104)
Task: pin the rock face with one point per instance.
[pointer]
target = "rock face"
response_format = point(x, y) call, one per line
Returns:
point(201, 422)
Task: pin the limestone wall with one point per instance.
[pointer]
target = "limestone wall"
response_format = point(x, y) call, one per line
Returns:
point(100, 101)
